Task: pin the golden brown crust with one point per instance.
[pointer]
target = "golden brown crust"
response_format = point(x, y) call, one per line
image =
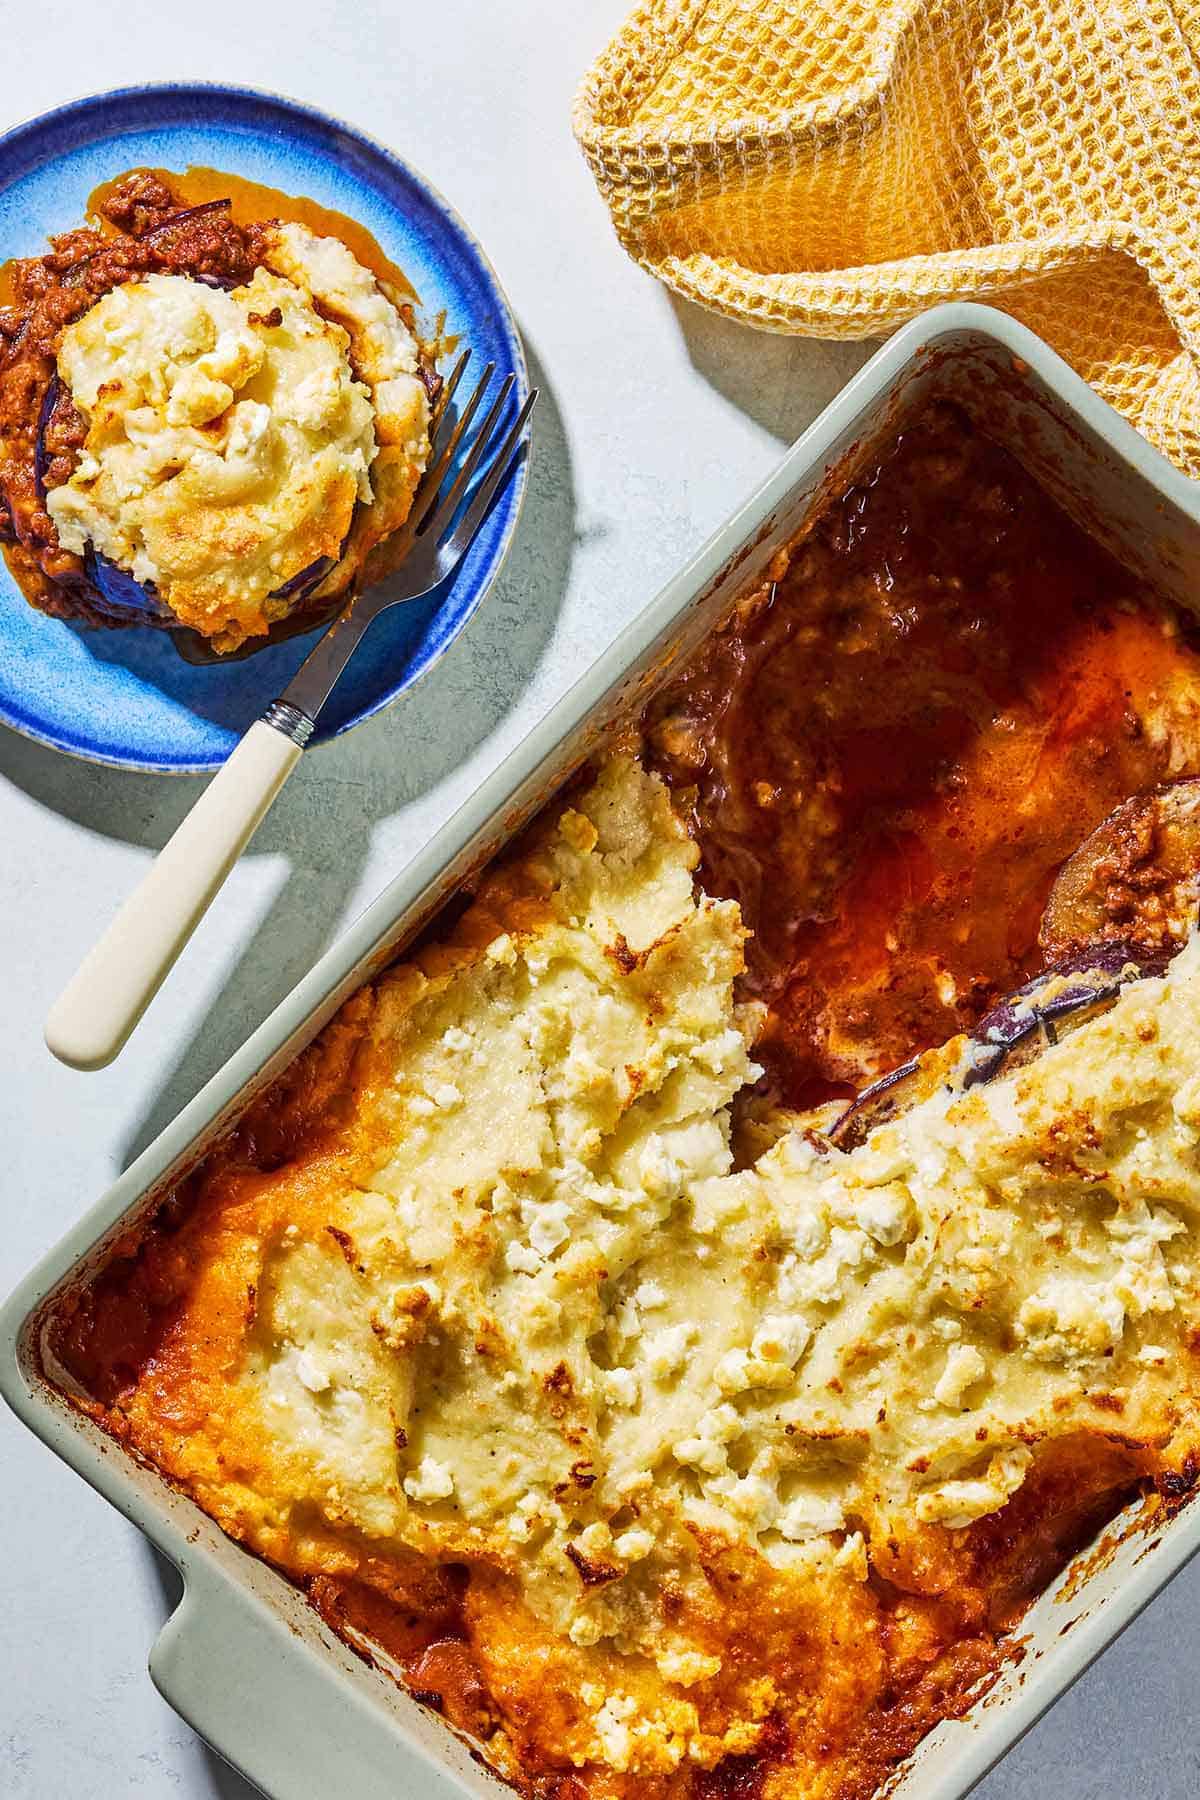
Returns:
point(804, 1679)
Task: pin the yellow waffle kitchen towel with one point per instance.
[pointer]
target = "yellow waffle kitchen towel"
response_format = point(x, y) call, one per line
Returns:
point(834, 167)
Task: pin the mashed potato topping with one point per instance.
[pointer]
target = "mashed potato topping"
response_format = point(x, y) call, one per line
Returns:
point(384, 356)
point(527, 1315)
point(236, 439)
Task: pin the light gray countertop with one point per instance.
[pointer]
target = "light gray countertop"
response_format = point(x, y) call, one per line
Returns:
point(655, 419)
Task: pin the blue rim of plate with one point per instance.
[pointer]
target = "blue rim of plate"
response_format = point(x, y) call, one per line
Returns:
point(106, 696)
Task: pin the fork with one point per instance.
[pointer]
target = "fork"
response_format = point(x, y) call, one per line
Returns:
point(95, 1013)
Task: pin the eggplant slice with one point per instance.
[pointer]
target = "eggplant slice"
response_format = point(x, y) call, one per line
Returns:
point(1120, 908)
point(133, 602)
point(1055, 1003)
point(1134, 880)
point(1019, 1028)
point(885, 1099)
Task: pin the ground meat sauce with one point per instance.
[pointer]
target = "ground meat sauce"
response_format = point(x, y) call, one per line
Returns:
point(143, 226)
point(893, 745)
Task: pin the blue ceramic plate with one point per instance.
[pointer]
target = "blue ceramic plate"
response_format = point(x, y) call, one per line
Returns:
point(127, 697)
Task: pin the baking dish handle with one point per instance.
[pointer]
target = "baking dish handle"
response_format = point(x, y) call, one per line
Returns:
point(293, 1723)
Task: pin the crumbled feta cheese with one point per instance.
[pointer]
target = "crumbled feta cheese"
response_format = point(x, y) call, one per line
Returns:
point(1069, 1318)
point(666, 1350)
point(687, 1667)
point(620, 1387)
point(595, 1541)
point(740, 1370)
point(432, 1481)
point(782, 1337)
point(650, 1294)
point(750, 1498)
point(548, 1228)
point(708, 1448)
point(884, 1213)
point(612, 1730)
point(660, 1173)
point(310, 1374)
point(964, 1367)
point(809, 1516)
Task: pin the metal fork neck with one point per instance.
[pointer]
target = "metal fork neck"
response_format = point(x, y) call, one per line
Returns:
point(291, 720)
point(313, 681)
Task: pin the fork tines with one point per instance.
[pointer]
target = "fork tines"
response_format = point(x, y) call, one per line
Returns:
point(436, 507)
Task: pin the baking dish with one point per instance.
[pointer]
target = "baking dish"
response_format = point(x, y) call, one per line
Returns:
point(244, 1658)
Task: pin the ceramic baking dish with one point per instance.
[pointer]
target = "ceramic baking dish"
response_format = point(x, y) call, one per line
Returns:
point(244, 1658)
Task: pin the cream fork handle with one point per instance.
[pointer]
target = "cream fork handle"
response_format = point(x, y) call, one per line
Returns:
point(99, 1007)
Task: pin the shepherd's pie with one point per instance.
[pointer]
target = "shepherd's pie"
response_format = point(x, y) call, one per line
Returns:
point(536, 1323)
point(207, 420)
point(507, 1305)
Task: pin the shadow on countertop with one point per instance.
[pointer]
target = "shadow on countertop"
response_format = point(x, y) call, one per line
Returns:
point(324, 820)
point(780, 382)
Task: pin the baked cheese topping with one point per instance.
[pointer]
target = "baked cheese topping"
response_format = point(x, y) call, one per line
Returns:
point(384, 356)
point(236, 439)
point(531, 1318)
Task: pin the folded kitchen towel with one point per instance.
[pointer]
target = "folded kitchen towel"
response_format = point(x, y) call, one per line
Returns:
point(833, 167)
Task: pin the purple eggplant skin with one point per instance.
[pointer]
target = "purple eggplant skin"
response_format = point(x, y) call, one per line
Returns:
point(875, 1105)
point(303, 584)
point(124, 596)
point(120, 594)
point(189, 212)
point(1012, 1030)
point(1018, 1020)
point(41, 460)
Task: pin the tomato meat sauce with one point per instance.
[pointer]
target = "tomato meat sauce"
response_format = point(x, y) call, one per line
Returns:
point(893, 744)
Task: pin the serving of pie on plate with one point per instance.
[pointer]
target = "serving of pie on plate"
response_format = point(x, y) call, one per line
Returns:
point(579, 1322)
point(292, 500)
point(209, 418)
